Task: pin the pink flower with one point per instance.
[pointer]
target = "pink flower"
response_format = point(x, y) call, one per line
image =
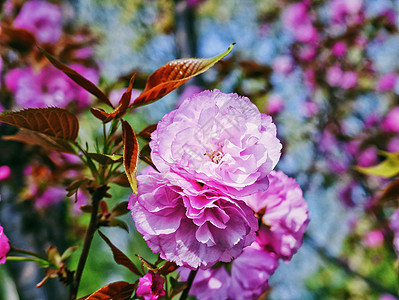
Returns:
point(367, 157)
point(42, 19)
point(346, 12)
point(274, 104)
point(283, 64)
point(49, 87)
point(391, 121)
point(387, 82)
point(250, 272)
point(150, 286)
point(247, 279)
point(339, 49)
point(345, 194)
point(50, 197)
point(210, 284)
point(285, 215)
point(374, 239)
point(297, 20)
point(393, 145)
point(334, 76)
point(188, 223)
point(5, 172)
point(220, 140)
point(349, 80)
point(4, 246)
point(394, 225)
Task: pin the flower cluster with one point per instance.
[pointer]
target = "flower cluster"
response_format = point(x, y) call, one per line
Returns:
point(284, 221)
point(215, 156)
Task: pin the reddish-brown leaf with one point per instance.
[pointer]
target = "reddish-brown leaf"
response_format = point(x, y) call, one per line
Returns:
point(120, 290)
point(146, 132)
point(17, 38)
point(130, 154)
point(99, 113)
point(79, 79)
point(119, 257)
point(36, 138)
point(52, 121)
point(145, 155)
point(390, 193)
point(174, 74)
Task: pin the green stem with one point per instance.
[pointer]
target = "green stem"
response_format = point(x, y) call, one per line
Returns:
point(21, 258)
point(96, 198)
point(26, 252)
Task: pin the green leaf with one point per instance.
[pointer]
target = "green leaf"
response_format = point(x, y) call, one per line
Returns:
point(68, 252)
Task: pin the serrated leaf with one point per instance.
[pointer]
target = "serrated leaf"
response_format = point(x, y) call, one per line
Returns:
point(39, 139)
point(79, 79)
point(388, 168)
point(130, 154)
point(52, 121)
point(105, 159)
point(120, 290)
point(174, 74)
point(68, 252)
point(119, 257)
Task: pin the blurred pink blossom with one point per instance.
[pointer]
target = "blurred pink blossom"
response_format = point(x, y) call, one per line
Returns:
point(387, 82)
point(50, 197)
point(374, 239)
point(41, 18)
point(5, 172)
point(274, 104)
point(48, 87)
point(393, 145)
point(346, 12)
point(367, 157)
point(339, 49)
point(391, 121)
point(283, 64)
point(297, 20)
point(4, 246)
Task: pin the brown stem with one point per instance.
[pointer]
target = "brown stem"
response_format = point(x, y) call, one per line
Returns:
point(190, 281)
point(96, 198)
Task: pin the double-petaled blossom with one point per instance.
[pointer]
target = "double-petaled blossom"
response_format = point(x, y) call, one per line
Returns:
point(42, 19)
point(150, 286)
point(248, 277)
point(4, 246)
point(220, 140)
point(188, 223)
point(284, 212)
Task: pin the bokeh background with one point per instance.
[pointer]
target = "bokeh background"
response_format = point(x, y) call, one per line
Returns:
point(325, 70)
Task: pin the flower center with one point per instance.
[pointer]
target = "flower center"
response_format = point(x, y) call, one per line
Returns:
point(215, 156)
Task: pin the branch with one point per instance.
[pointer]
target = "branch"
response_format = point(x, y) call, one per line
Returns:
point(190, 281)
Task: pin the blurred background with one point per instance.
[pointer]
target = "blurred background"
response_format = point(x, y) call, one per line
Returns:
point(325, 70)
